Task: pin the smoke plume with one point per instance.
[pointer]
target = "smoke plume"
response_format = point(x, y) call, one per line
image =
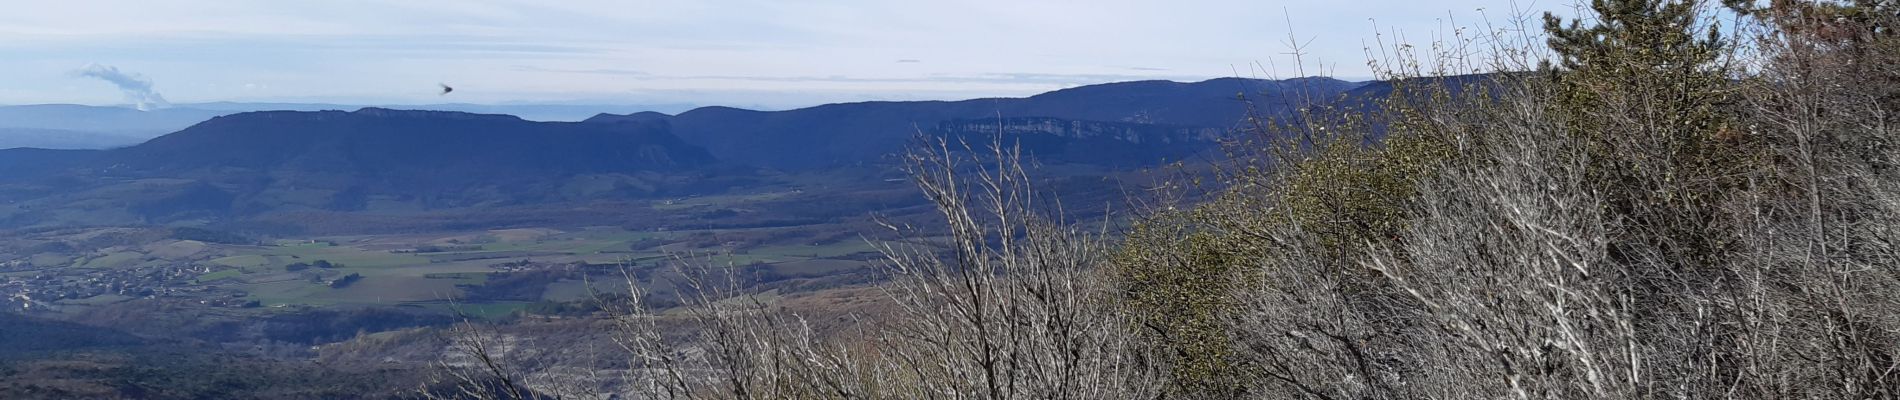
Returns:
point(137, 88)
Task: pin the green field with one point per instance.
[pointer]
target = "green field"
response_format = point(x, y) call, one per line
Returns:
point(113, 260)
point(392, 277)
point(245, 261)
point(225, 274)
point(394, 273)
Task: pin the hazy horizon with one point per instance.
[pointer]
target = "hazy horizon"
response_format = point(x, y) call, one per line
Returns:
point(669, 108)
point(742, 53)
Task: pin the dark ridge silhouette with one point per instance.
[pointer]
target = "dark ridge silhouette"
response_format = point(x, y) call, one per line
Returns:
point(379, 160)
point(273, 161)
point(385, 142)
point(857, 133)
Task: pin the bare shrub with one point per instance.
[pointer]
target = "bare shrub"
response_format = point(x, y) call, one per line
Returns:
point(1640, 224)
point(1020, 309)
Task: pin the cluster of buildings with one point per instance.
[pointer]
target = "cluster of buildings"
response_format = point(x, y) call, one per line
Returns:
point(44, 288)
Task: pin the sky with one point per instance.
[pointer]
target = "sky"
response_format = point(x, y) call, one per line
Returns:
point(760, 53)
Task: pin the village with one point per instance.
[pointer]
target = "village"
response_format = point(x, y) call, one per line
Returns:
point(36, 289)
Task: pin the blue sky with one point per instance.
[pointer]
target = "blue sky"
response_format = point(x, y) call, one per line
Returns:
point(760, 53)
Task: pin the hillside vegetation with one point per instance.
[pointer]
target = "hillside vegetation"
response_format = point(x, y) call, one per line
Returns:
point(1642, 203)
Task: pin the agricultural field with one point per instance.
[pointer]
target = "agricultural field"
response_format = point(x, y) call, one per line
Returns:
point(480, 273)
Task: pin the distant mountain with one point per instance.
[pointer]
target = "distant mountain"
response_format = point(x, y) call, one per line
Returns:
point(828, 135)
point(70, 126)
point(384, 142)
point(858, 133)
point(66, 139)
point(383, 162)
point(531, 112)
point(101, 119)
point(368, 160)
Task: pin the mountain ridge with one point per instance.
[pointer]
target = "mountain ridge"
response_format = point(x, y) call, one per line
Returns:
point(380, 131)
point(854, 133)
point(277, 161)
point(384, 160)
